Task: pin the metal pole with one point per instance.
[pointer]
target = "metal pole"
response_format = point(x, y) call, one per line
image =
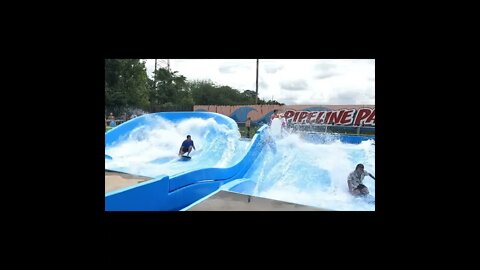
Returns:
point(154, 75)
point(256, 87)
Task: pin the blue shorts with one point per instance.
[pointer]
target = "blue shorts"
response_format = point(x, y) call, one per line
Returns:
point(185, 149)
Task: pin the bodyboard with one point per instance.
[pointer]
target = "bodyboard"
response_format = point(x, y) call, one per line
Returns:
point(185, 158)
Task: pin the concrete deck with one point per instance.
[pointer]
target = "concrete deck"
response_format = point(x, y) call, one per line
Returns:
point(221, 201)
point(116, 180)
point(229, 201)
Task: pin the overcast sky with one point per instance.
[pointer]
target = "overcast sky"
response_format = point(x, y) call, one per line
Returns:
point(290, 81)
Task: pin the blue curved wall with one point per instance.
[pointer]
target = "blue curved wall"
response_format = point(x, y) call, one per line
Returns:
point(170, 194)
point(124, 129)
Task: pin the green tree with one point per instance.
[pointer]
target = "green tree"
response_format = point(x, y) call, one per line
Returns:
point(205, 92)
point(269, 102)
point(126, 85)
point(171, 88)
point(250, 95)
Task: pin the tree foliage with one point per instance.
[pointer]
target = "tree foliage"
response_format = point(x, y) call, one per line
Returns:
point(170, 88)
point(205, 92)
point(127, 86)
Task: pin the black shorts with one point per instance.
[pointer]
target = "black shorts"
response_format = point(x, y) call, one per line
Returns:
point(185, 149)
point(361, 186)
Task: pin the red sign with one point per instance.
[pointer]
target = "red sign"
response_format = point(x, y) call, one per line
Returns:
point(347, 117)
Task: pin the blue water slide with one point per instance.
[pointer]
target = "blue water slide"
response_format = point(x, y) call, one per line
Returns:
point(171, 193)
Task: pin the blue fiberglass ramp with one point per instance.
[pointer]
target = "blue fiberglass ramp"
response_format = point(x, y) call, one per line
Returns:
point(309, 169)
point(148, 146)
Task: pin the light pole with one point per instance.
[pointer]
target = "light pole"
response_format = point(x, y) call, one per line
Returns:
point(154, 75)
point(256, 87)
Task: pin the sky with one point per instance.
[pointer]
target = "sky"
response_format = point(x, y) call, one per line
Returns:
point(290, 81)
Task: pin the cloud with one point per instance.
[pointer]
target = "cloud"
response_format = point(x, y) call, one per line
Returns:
point(291, 81)
point(272, 68)
point(232, 68)
point(344, 97)
point(324, 70)
point(227, 68)
point(262, 84)
point(295, 85)
point(324, 76)
point(325, 66)
point(288, 100)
